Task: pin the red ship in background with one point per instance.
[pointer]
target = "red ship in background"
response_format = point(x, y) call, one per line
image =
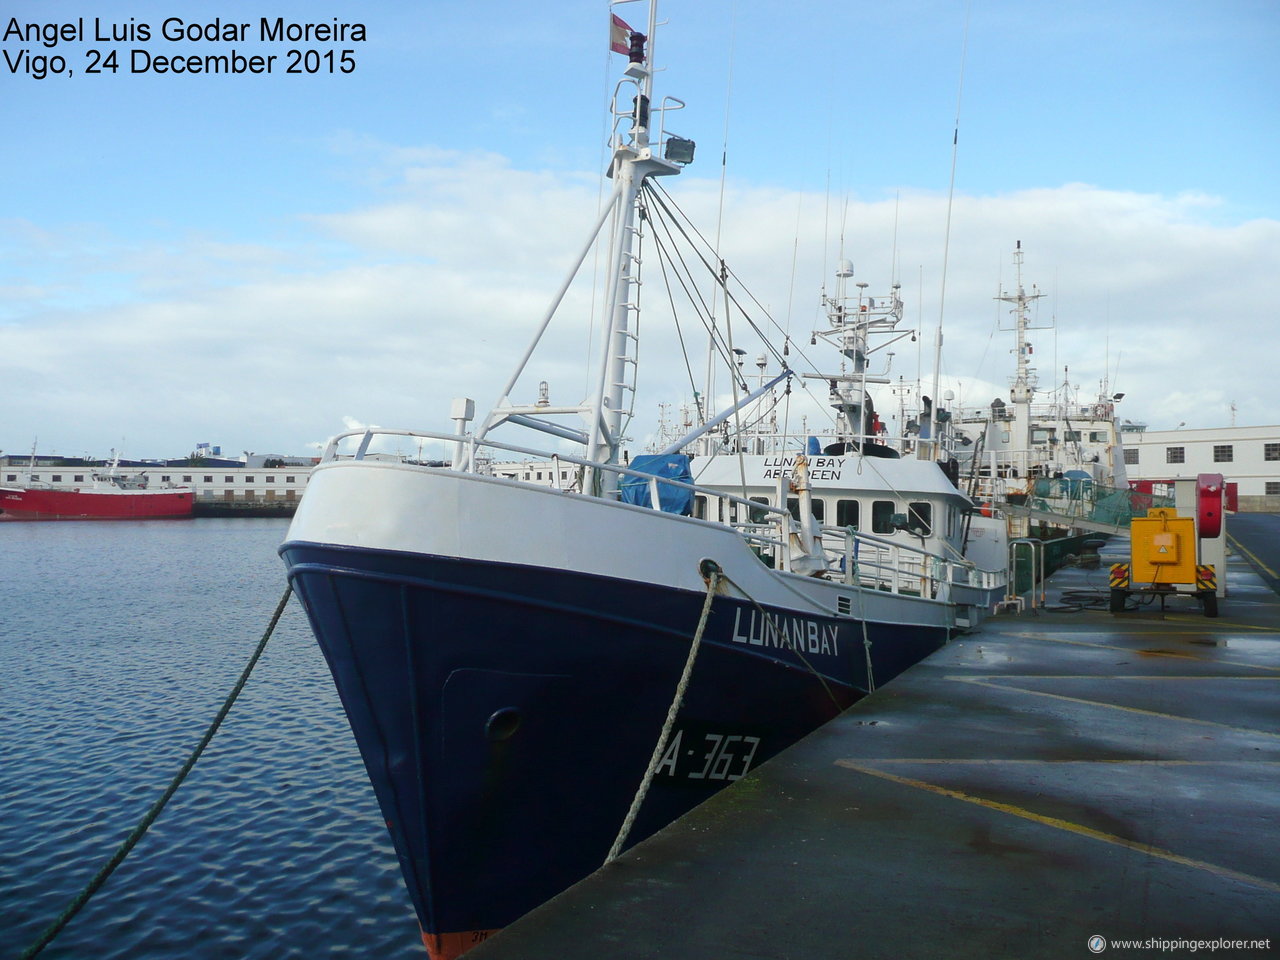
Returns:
point(107, 496)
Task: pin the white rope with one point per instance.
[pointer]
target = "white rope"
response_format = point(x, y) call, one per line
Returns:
point(866, 647)
point(713, 581)
point(856, 580)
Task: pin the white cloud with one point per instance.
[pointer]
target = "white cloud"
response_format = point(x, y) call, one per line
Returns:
point(270, 347)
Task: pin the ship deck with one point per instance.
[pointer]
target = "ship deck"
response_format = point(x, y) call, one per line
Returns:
point(1059, 774)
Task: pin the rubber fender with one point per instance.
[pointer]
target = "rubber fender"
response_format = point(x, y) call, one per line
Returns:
point(1209, 487)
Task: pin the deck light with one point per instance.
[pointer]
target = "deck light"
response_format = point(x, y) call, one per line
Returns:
point(679, 150)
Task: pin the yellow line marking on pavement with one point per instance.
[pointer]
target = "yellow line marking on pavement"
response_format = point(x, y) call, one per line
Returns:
point(1065, 825)
point(1095, 676)
point(1253, 558)
point(1164, 634)
point(980, 682)
point(981, 761)
point(1220, 625)
point(1153, 632)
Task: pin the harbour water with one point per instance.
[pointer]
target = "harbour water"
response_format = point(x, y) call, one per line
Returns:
point(119, 642)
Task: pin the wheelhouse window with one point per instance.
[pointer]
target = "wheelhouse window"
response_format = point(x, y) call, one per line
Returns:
point(819, 508)
point(847, 513)
point(1097, 436)
point(920, 518)
point(756, 515)
point(882, 516)
point(700, 507)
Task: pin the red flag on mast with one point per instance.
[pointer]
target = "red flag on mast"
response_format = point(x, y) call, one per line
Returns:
point(619, 35)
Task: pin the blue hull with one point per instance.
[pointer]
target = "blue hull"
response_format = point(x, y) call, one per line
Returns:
point(506, 714)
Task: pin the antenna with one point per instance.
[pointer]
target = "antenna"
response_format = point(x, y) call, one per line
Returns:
point(946, 243)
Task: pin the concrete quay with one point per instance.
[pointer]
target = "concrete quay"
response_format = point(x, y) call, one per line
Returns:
point(1060, 774)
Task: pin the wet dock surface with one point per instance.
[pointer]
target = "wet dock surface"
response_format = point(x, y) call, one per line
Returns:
point(1060, 774)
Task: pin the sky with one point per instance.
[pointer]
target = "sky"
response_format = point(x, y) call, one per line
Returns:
point(261, 261)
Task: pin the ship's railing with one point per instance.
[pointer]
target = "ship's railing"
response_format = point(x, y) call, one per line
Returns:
point(472, 447)
point(1018, 466)
point(763, 442)
point(655, 117)
point(1069, 498)
point(1075, 411)
point(902, 568)
point(841, 553)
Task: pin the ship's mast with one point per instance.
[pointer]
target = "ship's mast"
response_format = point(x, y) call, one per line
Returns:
point(1025, 379)
point(637, 136)
point(634, 160)
point(852, 320)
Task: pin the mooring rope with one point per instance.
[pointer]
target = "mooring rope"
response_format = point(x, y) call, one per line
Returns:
point(713, 581)
point(856, 580)
point(794, 649)
point(131, 841)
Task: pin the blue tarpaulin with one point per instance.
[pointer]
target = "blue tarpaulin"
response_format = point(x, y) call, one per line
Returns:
point(671, 499)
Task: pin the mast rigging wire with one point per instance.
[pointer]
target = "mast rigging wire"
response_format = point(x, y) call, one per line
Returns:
point(675, 315)
point(669, 253)
point(673, 216)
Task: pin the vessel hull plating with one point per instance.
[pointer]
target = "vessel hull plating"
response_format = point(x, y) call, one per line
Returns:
point(33, 504)
point(506, 713)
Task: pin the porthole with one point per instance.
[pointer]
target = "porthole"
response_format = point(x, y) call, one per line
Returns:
point(503, 724)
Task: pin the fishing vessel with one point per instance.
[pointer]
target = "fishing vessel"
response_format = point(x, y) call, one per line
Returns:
point(540, 674)
point(106, 495)
point(1044, 465)
point(1052, 435)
